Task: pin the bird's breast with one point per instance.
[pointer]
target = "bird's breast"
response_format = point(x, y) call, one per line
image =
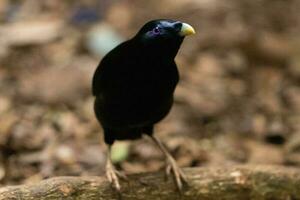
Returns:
point(141, 96)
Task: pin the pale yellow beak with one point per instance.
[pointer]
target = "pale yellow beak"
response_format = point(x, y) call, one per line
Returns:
point(186, 30)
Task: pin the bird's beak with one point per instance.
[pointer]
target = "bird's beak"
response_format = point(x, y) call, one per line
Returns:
point(186, 30)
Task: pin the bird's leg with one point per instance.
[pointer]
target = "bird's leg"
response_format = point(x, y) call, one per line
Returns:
point(171, 165)
point(111, 173)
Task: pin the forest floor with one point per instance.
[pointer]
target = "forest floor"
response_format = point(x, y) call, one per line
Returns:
point(238, 100)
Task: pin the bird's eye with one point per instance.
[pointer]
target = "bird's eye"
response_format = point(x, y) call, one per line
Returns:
point(156, 30)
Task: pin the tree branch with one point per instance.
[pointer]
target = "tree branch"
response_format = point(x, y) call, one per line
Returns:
point(241, 182)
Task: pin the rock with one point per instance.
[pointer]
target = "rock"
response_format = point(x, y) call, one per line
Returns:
point(7, 122)
point(267, 83)
point(119, 16)
point(4, 4)
point(294, 61)
point(92, 155)
point(101, 39)
point(5, 104)
point(232, 147)
point(259, 125)
point(65, 154)
point(31, 32)
point(261, 153)
point(28, 136)
point(146, 150)
point(292, 97)
point(273, 47)
point(235, 62)
point(292, 149)
point(205, 86)
point(54, 86)
point(276, 133)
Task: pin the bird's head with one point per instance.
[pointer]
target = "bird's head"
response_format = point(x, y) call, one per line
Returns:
point(164, 34)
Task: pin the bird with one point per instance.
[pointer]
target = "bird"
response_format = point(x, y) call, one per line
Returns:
point(133, 87)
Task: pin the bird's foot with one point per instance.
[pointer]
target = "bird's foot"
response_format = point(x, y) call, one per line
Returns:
point(178, 174)
point(113, 176)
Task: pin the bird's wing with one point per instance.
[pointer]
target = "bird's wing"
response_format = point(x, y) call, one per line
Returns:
point(96, 84)
point(107, 67)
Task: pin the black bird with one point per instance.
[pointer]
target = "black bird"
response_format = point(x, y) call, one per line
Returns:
point(134, 85)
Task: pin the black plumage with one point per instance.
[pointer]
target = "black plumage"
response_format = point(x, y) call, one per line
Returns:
point(134, 83)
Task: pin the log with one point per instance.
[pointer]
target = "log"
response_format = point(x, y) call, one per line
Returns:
point(239, 182)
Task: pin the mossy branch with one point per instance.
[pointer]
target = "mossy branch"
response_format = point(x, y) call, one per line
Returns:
point(240, 182)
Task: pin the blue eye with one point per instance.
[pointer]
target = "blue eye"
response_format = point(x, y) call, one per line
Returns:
point(156, 30)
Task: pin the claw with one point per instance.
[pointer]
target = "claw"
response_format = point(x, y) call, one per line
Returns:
point(121, 175)
point(113, 179)
point(178, 174)
point(168, 170)
point(112, 174)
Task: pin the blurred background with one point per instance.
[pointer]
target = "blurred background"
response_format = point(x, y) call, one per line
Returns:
point(238, 100)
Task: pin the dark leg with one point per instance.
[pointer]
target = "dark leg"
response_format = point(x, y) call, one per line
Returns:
point(171, 164)
point(111, 173)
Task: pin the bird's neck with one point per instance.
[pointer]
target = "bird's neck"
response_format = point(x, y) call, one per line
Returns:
point(161, 52)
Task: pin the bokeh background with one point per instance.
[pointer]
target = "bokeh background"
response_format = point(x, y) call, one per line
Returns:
point(238, 100)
